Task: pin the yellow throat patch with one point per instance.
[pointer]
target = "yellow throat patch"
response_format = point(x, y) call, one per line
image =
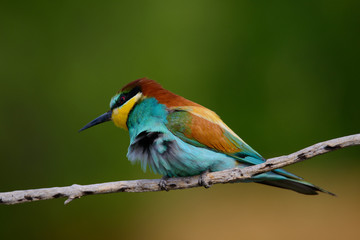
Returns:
point(120, 115)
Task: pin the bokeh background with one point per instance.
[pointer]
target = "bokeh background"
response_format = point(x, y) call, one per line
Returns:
point(282, 74)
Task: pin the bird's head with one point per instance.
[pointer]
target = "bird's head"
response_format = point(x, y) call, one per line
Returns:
point(131, 94)
point(121, 104)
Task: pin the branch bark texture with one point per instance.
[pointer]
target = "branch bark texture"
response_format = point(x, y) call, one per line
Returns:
point(152, 185)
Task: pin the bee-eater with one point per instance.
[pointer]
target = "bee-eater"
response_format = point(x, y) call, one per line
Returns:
point(176, 137)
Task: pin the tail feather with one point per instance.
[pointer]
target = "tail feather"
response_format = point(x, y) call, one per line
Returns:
point(278, 177)
point(296, 185)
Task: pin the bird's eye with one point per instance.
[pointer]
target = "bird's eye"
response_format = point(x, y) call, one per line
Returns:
point(122, 99)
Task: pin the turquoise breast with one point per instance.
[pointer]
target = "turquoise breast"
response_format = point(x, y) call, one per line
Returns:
point(155, 147)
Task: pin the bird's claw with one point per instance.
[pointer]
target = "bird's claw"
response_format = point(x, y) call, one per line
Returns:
point(163, 183)
point(202, 180)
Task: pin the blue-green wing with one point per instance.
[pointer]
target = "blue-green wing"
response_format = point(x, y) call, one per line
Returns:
point(203, 128)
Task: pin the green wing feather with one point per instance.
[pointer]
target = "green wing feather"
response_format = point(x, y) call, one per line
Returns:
point(180, 123)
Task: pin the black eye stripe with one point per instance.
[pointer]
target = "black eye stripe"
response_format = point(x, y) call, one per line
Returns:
point(124, 97)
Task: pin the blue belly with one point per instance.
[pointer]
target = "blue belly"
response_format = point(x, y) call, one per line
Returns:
point(167, 155)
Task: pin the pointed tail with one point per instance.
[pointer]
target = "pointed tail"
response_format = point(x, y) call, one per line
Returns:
point(299, 186)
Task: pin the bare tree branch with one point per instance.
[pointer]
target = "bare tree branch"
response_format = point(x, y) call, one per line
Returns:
point(147, 185)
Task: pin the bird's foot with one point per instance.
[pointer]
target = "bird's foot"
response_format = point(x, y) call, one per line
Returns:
point(163, 183)
point(202, 180)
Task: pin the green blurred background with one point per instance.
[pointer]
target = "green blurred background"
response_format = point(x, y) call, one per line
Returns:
point(282, 74)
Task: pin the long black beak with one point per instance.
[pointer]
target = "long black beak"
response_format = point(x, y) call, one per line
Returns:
point(103, 118)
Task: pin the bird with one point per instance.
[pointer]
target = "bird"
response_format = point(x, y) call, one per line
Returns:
point(176, 137)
